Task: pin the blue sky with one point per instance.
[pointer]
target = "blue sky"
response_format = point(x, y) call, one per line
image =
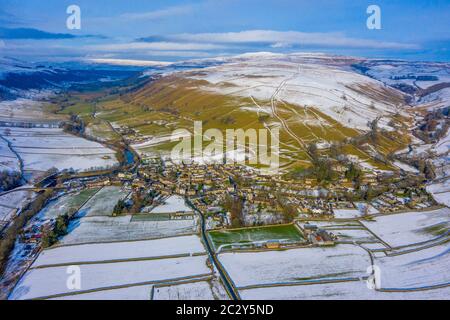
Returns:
point(179, 30)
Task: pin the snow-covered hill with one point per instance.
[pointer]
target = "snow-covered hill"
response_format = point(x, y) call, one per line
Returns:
point(325, 82)
point(426, 83)
point(427, 86)
point(19, 78)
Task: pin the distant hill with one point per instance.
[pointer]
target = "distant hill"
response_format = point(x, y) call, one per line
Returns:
point(17, 77)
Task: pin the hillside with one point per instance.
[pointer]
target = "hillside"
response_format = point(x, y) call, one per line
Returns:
point(311, 98)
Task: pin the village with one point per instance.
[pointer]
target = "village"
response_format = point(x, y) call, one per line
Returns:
point(235, 195)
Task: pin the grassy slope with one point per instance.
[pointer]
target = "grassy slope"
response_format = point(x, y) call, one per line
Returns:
point(173, 103)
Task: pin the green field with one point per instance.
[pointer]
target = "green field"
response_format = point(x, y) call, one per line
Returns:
point(82, 197)
point(249, 235)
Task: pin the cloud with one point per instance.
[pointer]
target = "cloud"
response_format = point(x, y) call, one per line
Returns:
point(183, 54)
point(36, 34)
point(281, 45)
point(129, 62)
point(279, 39)
point(144, 46)
point(30, 33)
point(158, 14)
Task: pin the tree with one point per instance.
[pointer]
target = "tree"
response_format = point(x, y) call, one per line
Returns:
point(235, 205)
point(289, 211)
point(323, 170)
point(312, 151)
point(50, 237)
point(373, 126)
point(369, 194)
point(263, 118)
point(429, 171)
point(9, 180)
point(354, 174)
point(61, 225)
point(139, 202)
point(119, 207)
point(335, 150)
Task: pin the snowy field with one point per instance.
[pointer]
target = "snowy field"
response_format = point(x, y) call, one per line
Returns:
point(437, 99)
point(202, 290)
point(43, 162)
point(405, 167)
point(103, 202)
point(336, 224)
point(22, 108)
point(13, 201)
point(347, 213)
point(129, 293)
point(349, 231)
point(205, 290)
point(410, 227)
point(50, 281)
point(104, 229)
point(443, 146)
point(363, 207)
point(16, 199)
point(44, 148)
point(442, 167)
point(337, 291)
point(440, 192)
point(442, 197)
point(120, 251)
point(8, 160)
point(253, 268)
point(51, 138)
point(421, 268)
point(5, 215)
point(359, 235)
point(171, 205)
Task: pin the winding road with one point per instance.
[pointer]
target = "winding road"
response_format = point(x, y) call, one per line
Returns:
point(228, 283)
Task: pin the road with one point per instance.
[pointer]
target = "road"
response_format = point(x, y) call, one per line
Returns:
point(231, 289)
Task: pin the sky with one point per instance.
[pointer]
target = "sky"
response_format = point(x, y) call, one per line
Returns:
point(181, 30)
